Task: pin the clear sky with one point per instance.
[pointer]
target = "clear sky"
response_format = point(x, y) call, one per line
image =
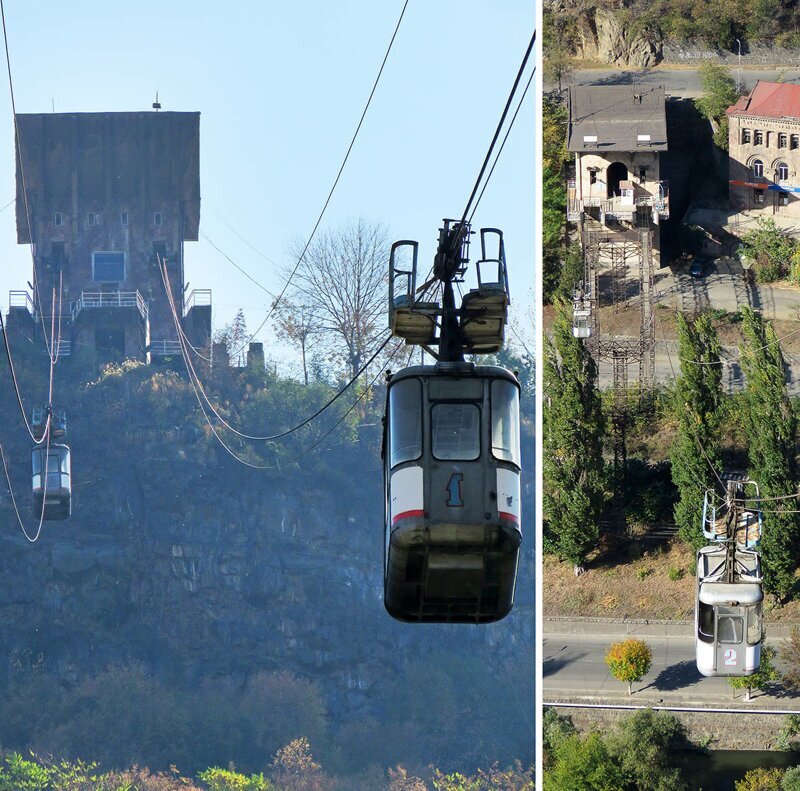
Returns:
point(280, 87)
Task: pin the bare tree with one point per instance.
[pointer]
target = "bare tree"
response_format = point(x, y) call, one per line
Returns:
point(343, 281)
point(295, 323)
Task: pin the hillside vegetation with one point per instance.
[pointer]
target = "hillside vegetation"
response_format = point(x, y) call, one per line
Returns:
point(197, 612)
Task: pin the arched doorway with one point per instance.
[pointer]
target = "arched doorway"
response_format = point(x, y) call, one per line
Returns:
point(616, 172)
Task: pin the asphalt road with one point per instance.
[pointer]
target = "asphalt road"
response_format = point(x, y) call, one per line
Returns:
point(677, 81)
point(574, 667)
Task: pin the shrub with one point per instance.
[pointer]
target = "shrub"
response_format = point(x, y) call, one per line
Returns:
point(629, 660)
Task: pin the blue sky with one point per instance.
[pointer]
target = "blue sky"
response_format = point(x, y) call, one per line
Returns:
point(280, 87)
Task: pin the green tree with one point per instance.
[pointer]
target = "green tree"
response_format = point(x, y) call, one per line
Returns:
point(771, 250)
point(573, 430)
point(760, 780)
point(584, 763)
point(629, 660)
point(791, 779)
point(645, 745)
point(719, 93)
point(761, 679)
point(695, 453)
point(554, 194)
point(555, 728)
point(17, 774)
point(218, 779)
point(770, 427)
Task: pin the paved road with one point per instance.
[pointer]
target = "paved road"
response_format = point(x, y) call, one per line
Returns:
point(574, 667)
point(678, 82)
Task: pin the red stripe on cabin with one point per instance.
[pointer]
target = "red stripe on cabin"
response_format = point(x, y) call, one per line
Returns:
point(408, 515)
point(508, 517)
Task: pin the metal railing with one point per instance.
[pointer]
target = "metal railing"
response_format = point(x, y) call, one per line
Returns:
point(165, 348)
point(198, 298)
point(109, 299)
point(21, 299)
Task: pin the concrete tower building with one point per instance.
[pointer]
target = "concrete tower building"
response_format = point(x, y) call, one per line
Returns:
point(101, 196)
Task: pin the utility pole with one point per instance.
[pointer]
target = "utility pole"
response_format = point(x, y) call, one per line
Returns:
point(739, 71)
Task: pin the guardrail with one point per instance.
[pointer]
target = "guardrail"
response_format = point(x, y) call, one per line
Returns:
point(109, 299)
point(21, 299)
point(199, 297)
point(165, 348)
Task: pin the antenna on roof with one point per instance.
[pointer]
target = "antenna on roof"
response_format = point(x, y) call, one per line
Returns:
point(156, 103)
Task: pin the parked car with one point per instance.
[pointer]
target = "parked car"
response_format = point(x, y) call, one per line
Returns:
point(698, 267)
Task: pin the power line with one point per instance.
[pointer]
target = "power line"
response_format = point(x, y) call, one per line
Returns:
point(333, 187)
point(502, 145)
point(487, 158)
point(22, 179)
point(229, 259)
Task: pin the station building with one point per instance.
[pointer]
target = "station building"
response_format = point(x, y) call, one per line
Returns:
point(764, 151)
point(101, 197)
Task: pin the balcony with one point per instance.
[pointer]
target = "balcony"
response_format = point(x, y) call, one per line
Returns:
point(21, 300)
point(198, 298)
point(90, 300)
point(622, 206)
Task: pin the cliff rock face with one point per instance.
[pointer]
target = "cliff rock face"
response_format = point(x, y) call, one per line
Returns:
point(601, 37)
point(180, 559)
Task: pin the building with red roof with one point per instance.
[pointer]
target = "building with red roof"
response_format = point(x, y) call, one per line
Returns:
point(764, 150)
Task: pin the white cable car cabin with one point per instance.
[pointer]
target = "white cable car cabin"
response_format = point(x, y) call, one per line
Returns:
point(54, 464)
point(451, 454)
point(581, 312)
point(728, 615)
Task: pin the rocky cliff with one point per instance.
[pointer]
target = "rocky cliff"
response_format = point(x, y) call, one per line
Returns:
point(181, 559)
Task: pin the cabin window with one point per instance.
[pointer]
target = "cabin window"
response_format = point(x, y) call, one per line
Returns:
point(505, 421)
point(758, 197)
point(108, 267)
point(758, 168)
point(783, 199)
point(783, 171)
point(455, 431)
point(705, 623)
point(745, 135)
point(781, 140)
point(729, 629)
point(405, 421)
point(754, 624)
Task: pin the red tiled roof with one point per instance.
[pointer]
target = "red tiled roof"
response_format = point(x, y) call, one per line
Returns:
point(769, 100)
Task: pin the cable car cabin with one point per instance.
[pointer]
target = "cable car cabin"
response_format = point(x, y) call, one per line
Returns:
point(728, 614)
point(452, 491)
point(58, 422)
point(581, 313)
point(54, 465)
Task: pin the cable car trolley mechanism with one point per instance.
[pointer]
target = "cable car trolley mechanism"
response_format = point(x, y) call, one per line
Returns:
point(728, 604)
point(451, 448)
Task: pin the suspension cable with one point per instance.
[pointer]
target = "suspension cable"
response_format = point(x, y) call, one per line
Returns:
point(22, 180)
point(458, 236)
point(332, 189)
point(502, 145)
point(266, 438)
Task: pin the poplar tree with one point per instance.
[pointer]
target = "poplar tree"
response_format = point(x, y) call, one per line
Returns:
point(771, 426)
point(572, 444)
point(698, 397)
